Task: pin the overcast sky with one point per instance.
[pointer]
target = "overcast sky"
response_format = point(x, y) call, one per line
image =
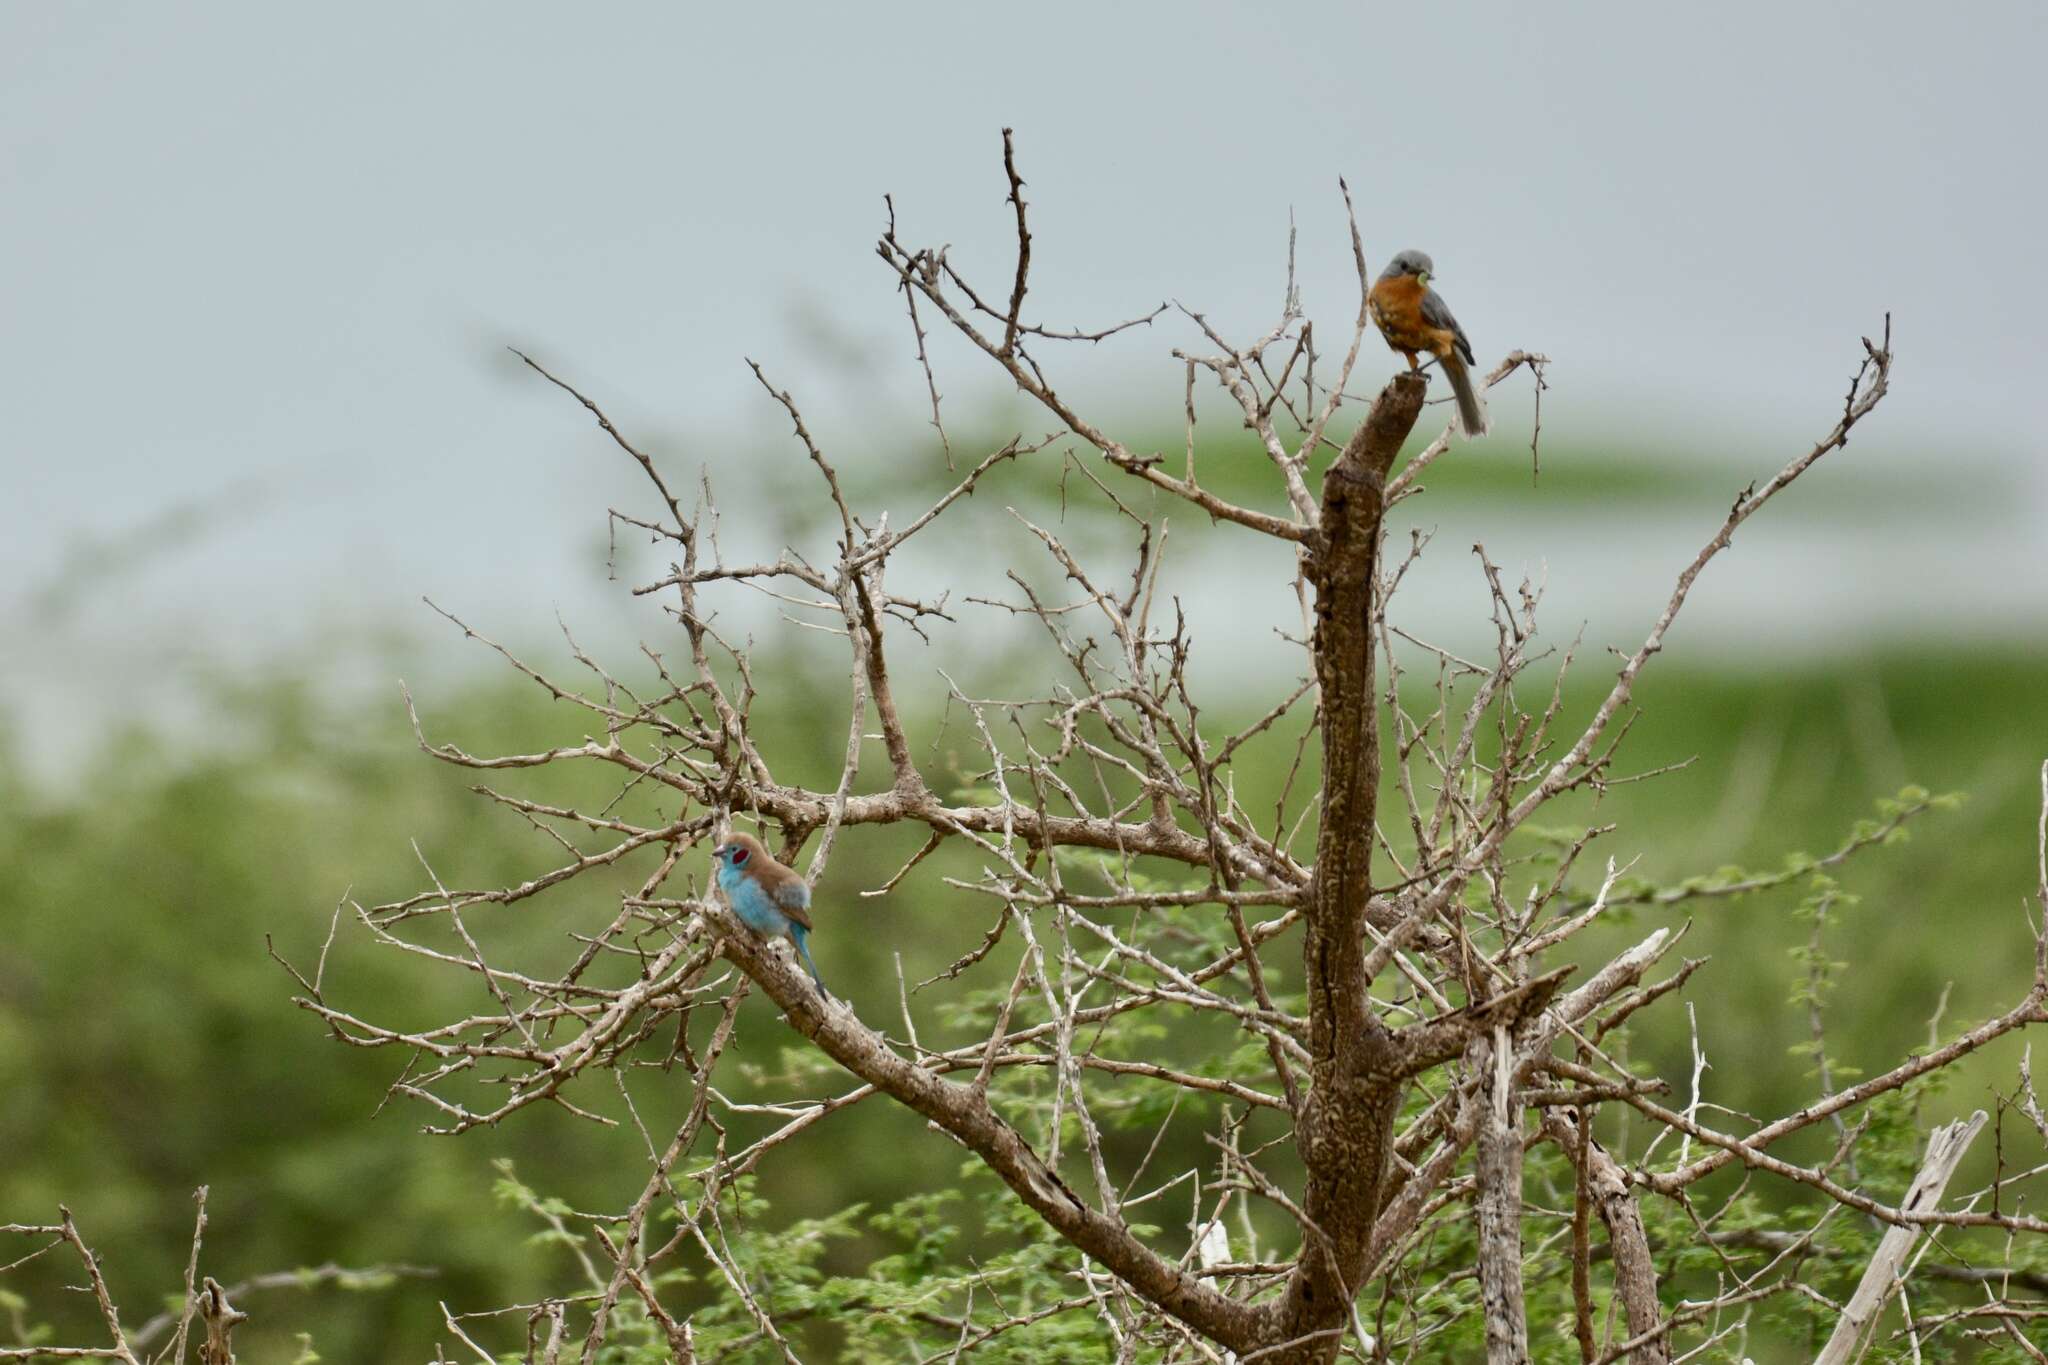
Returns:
point(258, 261)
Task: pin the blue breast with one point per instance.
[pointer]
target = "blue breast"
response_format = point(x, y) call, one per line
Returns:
point(751, 902)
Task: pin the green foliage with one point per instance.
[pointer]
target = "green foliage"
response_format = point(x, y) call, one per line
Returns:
point(917, 1296)
point(148, 1044)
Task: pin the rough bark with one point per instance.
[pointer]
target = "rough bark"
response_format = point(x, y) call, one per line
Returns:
point(1358, 1066)
point(1498, 1203)
point(221, 1319)
point(1635, 1273)
point(1945, 1148)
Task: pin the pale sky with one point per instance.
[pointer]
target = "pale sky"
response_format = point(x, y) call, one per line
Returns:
point(258, 261)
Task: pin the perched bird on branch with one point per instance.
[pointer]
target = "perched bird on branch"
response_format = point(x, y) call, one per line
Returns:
point(772, 899)
point(1413, 317)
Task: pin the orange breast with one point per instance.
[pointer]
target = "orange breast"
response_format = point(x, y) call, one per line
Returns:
point(1396, 309)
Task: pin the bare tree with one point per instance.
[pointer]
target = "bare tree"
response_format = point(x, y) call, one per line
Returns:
point(1409, 979)
point(204, 1300)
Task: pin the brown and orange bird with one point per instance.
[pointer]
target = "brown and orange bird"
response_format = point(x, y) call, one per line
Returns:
point(1413, 317)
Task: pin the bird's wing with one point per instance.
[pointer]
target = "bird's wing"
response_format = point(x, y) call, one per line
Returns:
point(1437, 313)
point(793, 895)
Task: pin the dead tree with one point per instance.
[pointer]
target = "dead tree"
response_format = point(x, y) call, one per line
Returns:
point(1423, 1024)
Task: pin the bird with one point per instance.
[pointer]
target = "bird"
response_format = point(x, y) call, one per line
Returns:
point(771, 899)
point(1413, 317)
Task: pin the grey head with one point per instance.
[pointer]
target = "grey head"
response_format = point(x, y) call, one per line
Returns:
point(1410, 263)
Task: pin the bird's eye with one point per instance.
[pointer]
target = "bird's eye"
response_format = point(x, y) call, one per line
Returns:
point(739, 855)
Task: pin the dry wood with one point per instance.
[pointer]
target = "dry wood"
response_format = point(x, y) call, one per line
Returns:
point(1885, 1275)
point(1094, 827)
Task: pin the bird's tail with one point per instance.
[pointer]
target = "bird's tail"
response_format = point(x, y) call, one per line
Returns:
point(1471, 407)
point(798, 937)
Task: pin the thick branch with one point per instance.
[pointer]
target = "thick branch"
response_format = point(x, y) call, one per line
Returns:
point(1635, 1273)
point(965, 1114)
point(1945, 1148)
point(1497, 1204)
point(1357, 1067)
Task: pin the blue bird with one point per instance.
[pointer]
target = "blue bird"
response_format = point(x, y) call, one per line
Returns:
point(772, 899)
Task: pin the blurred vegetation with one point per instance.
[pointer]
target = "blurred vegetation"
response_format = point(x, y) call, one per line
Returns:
point(1610, 475)
point(147, 1042)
